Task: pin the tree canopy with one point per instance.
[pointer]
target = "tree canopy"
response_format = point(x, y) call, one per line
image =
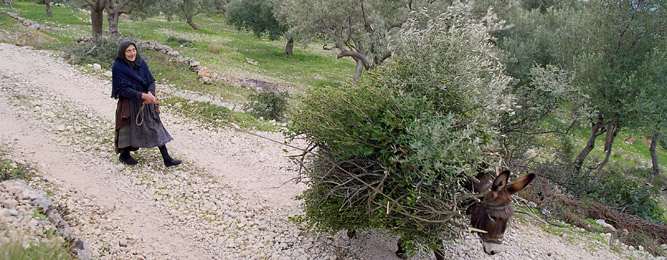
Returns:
point(254, 15)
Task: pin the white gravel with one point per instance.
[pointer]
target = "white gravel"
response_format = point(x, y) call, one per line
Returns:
point(231, 199)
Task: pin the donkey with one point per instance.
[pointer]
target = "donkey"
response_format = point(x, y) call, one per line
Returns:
point(492, 213)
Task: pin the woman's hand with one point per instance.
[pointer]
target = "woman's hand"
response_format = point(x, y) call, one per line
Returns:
point(148, 98)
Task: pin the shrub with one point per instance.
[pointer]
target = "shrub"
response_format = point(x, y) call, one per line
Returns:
point(34, 38)
point(10, 170)
point(620, 190)
point(214, 48)
point(267, 104)
point(102, 50)
point(173, 40)
point(43, 250)
point(395, 148)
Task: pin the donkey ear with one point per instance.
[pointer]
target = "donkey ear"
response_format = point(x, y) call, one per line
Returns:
point(521, 183)
point(500, 181)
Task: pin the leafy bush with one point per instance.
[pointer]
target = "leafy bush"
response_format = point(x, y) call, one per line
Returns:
point(10, 170)
point(102, 50)
point(214, 48)
point(173, 40)
point(620, 190)
point(36, 251)
point(267, 104)
point(395, 148)
point(255, 15)
point(34, 38)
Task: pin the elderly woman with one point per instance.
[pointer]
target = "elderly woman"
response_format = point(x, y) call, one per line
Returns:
point(138, 123)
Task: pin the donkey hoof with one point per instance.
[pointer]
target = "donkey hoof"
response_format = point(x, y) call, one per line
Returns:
point(351, 233)
point(401, 254)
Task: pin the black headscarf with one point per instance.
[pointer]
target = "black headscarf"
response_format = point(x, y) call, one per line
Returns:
point(121, 55)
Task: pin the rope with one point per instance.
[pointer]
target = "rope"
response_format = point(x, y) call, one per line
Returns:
point(141, 112)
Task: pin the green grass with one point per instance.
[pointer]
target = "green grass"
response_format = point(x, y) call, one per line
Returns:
point(10, 170)
point(307, 67)
point(178, 74)
point(71, 24)
point(634, 155)
point(212, 115)
point(54, 250)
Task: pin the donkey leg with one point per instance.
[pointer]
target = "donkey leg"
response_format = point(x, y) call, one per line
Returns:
point(400, 253)
point(438, 253)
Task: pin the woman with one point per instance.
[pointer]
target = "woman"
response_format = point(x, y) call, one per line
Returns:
point(138, 123)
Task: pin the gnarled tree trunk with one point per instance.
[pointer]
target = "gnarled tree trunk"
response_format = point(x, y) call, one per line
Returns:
point(96, 15)
point(191, 23)
point(289, 47)
point(654, 155)
point(612, 131)
point(47, 3)
point(359, 69)
point(597, 128)
point(113, 18)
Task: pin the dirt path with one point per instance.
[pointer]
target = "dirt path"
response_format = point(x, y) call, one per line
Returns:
point(230, 200)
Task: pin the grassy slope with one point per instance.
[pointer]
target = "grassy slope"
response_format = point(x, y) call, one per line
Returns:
point(309, 66)
point(635, 154)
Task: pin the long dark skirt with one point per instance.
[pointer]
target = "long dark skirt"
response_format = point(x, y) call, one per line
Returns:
point(144, 129)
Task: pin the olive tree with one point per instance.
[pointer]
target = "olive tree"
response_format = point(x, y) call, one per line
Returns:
point(603, 43)
point(652, 76)
point(357, 29)
point(96, 8)
point(115, 8)
point(188, 9)
point(257, 16)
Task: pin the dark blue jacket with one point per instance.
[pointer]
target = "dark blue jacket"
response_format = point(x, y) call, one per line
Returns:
point(130, 83)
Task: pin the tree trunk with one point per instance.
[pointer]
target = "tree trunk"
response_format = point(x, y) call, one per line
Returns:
point(289, 47)
point(112, 18)
point(612, 131)
point(97, 18)
point(114, 10)
point(47, 3)
point(359, 69)
point(191, 23)
point(654, 155)
point(596, 130)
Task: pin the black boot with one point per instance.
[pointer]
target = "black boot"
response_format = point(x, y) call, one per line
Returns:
point(168, 161)
point(126, 158)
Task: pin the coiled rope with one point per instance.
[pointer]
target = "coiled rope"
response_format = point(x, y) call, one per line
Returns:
point(141, 113)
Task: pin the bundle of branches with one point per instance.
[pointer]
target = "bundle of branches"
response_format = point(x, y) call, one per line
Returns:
point(393, 150)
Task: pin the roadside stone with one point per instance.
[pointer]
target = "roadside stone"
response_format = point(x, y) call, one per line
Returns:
point(204, 72)
point(9, 203)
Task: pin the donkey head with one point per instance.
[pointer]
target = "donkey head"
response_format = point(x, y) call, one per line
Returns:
point(494, 212)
